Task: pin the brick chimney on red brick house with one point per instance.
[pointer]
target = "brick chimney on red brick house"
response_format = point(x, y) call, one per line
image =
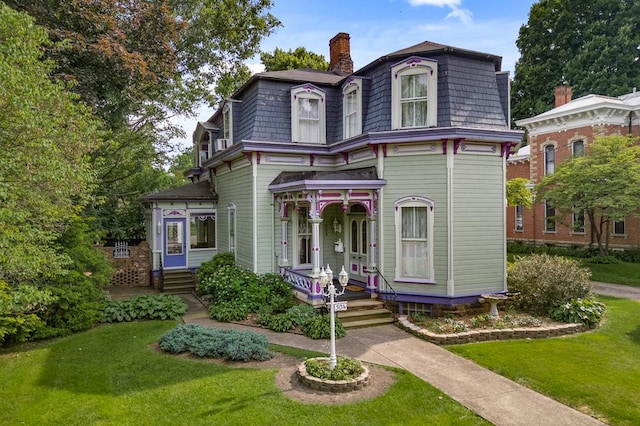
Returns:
point(340, 54)
point(563, 95)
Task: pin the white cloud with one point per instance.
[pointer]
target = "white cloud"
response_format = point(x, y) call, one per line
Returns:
point(453, 4)
point(464, 15)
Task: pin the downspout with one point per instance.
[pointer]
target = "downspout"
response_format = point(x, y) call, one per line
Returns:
point(254, 164)
point(450, 281)
point(380, 244)
point(504, 220)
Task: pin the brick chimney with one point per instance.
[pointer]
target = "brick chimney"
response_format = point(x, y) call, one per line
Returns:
point(340, 54)
point(563, 95)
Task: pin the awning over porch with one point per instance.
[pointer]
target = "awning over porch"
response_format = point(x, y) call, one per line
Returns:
point(363, 178)
point(199, 191)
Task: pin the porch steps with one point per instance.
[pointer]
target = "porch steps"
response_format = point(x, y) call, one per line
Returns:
point(177, 282)
point(365, 313)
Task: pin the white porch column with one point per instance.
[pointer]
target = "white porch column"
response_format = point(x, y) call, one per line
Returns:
point(315, 245)
point(372, 278)
point(284, 242)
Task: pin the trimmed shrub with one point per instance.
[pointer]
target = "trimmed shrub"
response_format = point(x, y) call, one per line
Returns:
point(211, 342)
point(588, 312)
point(345, 368)
point(156, 307)
point(281, 322)
point(545, 282)
point(319, 327)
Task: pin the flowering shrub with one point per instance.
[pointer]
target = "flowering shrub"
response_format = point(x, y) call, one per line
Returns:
point(545, 282)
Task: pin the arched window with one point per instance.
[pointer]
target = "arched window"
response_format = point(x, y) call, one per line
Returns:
point(549, 159)
point(414, 93)
point(308, 122)
point(352, 108)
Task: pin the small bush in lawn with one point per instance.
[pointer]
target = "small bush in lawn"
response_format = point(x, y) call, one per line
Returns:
point(588, 312)
point(319, 327)
point(545, 282)
point(345, 368)
point(203, 341)
point(156, 307)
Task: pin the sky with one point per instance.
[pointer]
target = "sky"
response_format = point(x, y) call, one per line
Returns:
point(379, 27)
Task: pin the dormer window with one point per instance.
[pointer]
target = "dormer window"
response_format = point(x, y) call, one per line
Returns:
point(352, 107)
point(308, 114)
point(414, 87)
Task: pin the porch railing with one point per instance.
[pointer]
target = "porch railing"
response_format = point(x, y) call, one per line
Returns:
point(389, 294)
point(300, 281)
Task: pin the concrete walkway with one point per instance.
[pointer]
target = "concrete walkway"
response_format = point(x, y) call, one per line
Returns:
point(495, 398)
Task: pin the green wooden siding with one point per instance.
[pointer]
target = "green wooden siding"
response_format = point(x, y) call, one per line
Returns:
point(421, 175)
point(478, 229)
point(236, 186)
point(197, 257)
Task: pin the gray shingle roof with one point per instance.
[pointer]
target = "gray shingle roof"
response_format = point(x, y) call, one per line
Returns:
point(303, 75)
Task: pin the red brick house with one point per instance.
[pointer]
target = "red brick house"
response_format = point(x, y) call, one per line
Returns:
point(560, 133)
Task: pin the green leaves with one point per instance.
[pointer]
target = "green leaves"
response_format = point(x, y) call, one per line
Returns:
point(293, 59)
point(157, 307)
point(587, 45)
point(605, 184)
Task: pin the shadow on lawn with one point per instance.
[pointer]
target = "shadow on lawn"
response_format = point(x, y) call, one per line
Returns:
point(110, 360)
point(635, 335)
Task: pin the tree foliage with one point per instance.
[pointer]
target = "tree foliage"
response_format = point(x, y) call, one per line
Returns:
point(604, 184)
point(518, 193)
point(45, 175)
point(590, 46)
point(137, 64)
point(293, 59)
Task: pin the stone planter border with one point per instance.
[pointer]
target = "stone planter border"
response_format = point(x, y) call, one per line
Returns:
point(335, 386)
point(473, 336)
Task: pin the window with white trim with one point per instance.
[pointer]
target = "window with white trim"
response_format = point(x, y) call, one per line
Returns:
point(352, 107)
point(308, 122)
point(202, 230)
point(414, 93)
point(227, 122)
point(231, 215)
point(304, 234)
point(549, 159)
point(414, 239)
point(619, 227)
point(577, 221)
point(519, 218)
point(577, 148)
point(549, 217)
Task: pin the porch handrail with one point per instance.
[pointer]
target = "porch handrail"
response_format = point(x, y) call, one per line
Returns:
point(300, 281)
point(389, 290)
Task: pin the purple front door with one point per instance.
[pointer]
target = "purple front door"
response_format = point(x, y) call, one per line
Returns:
point(175, 253)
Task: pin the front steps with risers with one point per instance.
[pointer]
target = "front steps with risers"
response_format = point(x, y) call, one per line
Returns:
point(362, 313)
point(178, 281)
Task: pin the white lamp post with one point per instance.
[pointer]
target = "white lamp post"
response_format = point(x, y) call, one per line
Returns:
point(330, 291)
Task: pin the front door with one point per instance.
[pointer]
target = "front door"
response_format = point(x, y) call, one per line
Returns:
point(175, 253)
point(358, 246)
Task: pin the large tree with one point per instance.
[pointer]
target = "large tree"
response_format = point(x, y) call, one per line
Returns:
point(45, 139)
point(138, 63)
point(293, 59)
point(605, 184)
point(590, 46)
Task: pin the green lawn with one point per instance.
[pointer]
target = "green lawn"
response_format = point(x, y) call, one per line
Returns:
point(110, 376)
point(599, 370)
point(620, 273)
